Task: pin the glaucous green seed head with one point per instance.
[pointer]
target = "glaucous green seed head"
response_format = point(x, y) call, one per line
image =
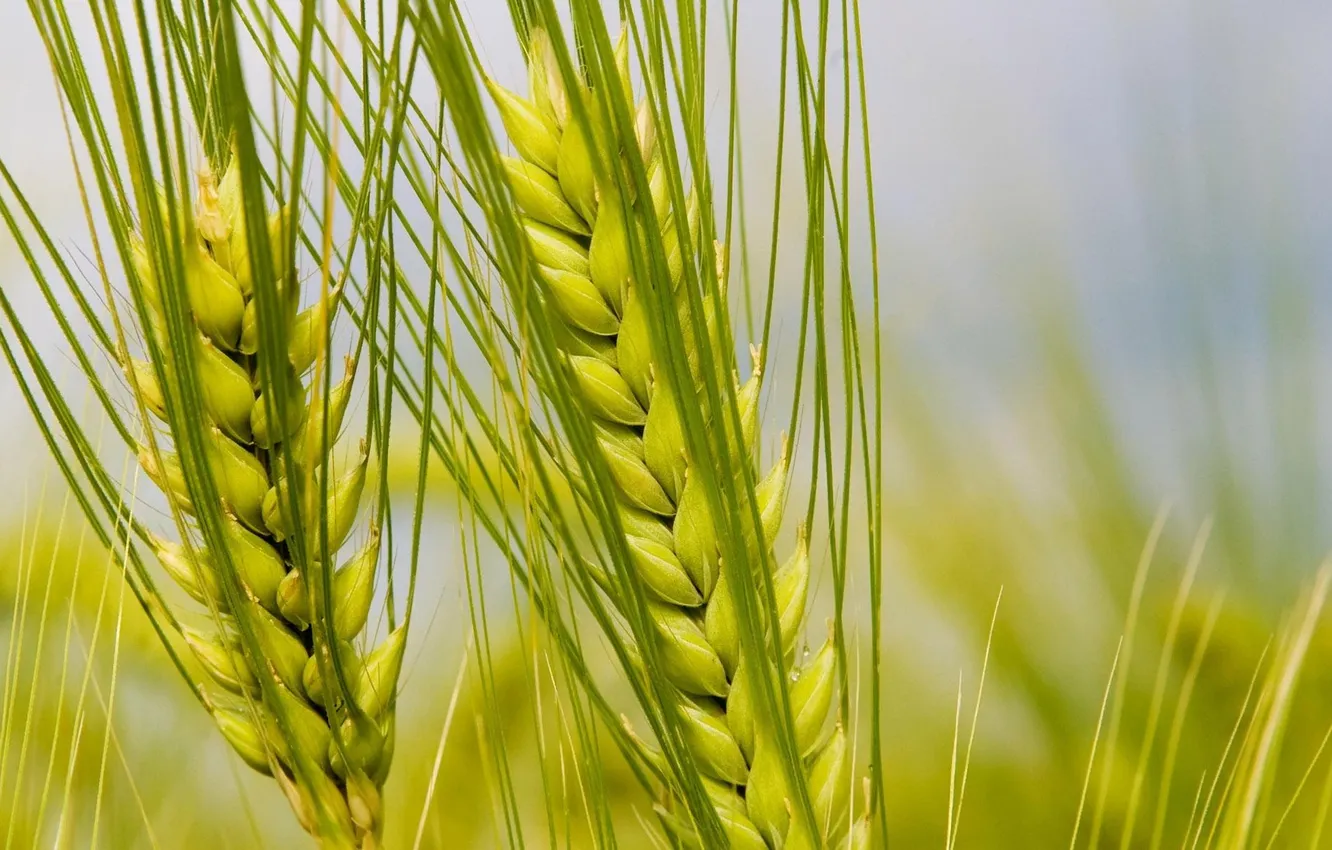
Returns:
point(621, 56)
point(659, 191)
point(767, 793)
point(269, 600)
point(212, 222)
point(771, 495)
point(791, 587)
point(214, 297)
point(312, 678)
point(272, 426)
point(234, 722)
point(221, 660)
point(811, 696)
point(580, 302)
point(240, 479)
point(227, 395)
point(696, 535)
point(710, 740)
point(663, 440)
point(320, 809)
point(740, 712)
point(605, 391)
point(556, 249)
point(721, 625)
point(689, 660)
point(307, 445)
point(310, 733)
point(608, 255)
point(275, 512)
point(143, 380)
point(741, 831)
point(662, 573)
point(545, 83)
point(747, 400)
point(830, 784)
point(634, 346)
point(378, 681)
point(645, 131)
point(283, 650)
point(163, 469)
point(539, 197)
point(642, 524)
point(308, 329)
point(293, 602)
point(257, 563)
point(388, 725)
point(361, 745)
point(364, 801)
point(195, 575)
point(344, 501)
point(574, 168)
point(354, 588)
point(534, 135)
point(636, 483)
point(249, 336)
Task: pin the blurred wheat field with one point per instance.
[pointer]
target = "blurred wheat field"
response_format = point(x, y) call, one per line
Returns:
point(1107, 478)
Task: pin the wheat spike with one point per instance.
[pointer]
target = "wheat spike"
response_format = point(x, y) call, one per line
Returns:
point(341, 802)
point(578, 235)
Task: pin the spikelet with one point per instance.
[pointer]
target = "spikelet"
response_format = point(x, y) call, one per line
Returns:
point(283, 711)
point(579, 228)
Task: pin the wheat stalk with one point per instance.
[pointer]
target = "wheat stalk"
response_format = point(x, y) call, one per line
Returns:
point(579, 235)
point(270, 643)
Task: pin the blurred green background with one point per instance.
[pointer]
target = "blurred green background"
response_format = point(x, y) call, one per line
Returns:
point(1108, 297)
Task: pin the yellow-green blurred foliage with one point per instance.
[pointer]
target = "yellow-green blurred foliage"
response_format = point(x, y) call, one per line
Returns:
point(960, 528)
point(1054, 517)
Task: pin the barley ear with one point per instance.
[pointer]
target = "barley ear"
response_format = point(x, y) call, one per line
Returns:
point(535, 135)
point(791, 587)
point(767, 791)
point(268, 627)
point(354, 587)
point(243, 735)
point(830, 784)
point(582, 232)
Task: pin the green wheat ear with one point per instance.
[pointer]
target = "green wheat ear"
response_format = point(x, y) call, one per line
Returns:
point(328, 747)
point(579, 235)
